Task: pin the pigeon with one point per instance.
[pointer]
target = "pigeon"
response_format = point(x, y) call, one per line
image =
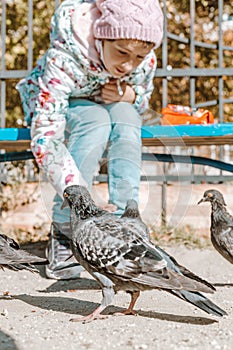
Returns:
point(116, 253)
point(132, 215)
point(195, 298)
point(221, 228)
point(14, 258)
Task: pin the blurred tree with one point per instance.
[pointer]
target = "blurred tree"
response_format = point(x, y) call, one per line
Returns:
point(206, 30)
point(17, 46)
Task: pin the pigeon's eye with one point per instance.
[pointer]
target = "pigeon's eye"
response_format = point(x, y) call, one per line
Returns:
point(209, 195)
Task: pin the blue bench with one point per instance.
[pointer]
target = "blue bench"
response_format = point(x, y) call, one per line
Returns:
point(18, 140)
point(189, 135)
point(165, 132)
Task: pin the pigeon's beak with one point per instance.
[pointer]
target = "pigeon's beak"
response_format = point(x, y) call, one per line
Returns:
point(202, 200)
point(65, 201)
point(64, 204)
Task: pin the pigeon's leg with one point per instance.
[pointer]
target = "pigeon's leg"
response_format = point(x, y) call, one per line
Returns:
point(108, 294)
point(130, 310)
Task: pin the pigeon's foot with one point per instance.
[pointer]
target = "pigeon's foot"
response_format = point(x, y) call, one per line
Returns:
point(95, 315)
point(130, 310)
point(89, 318)
point(126, 312)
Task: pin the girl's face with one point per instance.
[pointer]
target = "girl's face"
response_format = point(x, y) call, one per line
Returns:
point(124, 55)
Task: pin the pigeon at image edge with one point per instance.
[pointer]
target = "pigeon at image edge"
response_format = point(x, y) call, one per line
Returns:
point(14, 258)
point(221, 228)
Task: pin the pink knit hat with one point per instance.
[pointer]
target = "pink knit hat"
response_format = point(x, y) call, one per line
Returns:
point(129, 19)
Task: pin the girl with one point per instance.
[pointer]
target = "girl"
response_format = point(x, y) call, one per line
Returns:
point(90, 87)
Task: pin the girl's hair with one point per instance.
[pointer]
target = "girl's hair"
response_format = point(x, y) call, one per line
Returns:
point(146, 44)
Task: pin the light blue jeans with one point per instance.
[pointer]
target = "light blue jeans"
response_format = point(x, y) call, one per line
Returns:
point(91, 127)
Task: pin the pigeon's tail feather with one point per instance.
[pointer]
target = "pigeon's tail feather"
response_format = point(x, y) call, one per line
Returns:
point(18, 267)
point(42, 261)
point(168, 279)
point(26, 257)
point(200, 301)
point(22, 260)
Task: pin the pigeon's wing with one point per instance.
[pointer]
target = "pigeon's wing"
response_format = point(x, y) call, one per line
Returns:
point(225, 243)
point(136, 225)
point(228, 218)
point(105, 242)
point(119, 252)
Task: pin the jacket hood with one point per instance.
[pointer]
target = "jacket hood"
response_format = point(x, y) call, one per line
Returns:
point(82, 22)
point(72, 31)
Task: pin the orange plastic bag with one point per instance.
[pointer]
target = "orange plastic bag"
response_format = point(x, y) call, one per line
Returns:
point(178, 114)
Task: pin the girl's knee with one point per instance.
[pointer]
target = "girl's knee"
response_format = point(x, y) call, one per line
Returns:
point(87, 118)
point(123, 112)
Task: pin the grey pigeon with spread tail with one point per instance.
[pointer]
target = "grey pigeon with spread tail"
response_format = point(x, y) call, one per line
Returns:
point(116, 253)
point(14, 258)
point(221, 228)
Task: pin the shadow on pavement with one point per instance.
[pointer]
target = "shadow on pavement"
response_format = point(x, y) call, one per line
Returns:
point(72, 285)
point(83, 308)
point(7, 342)
point(223, 284)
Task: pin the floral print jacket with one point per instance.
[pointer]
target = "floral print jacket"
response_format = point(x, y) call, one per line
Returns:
point(68, 71)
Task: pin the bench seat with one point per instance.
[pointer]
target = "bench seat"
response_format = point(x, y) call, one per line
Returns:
point(18, 140)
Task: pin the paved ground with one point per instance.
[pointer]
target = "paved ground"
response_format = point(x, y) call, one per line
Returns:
point(36, 314)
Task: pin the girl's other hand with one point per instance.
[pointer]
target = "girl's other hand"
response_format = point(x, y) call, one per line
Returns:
point(110, 92)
